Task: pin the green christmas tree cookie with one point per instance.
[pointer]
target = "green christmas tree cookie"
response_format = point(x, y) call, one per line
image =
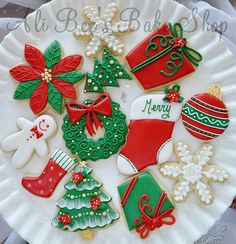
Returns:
point(105, 73)
point(84, 206)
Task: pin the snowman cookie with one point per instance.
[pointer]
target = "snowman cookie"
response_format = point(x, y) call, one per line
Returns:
point(31, 138)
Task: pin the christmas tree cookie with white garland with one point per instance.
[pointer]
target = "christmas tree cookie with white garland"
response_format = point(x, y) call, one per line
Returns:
point(84, 206)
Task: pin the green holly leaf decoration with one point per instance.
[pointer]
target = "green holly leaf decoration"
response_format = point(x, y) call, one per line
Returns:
point(71, 77)
point(52, 54)
point(181, 99)
point(55, 98)
point(92, 85)
point(25, 89)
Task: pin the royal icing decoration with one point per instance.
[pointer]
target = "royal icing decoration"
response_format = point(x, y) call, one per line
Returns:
point(162, 57)
point(193, 173)
point(205, 115)
point(173, 95)
point(47, 78)
point(146, 205)
point(45, 184)
point(105, 73)
point(31, 138)
point(84, 206)
point(145, 144)
point(102, 30)
point(87, 118)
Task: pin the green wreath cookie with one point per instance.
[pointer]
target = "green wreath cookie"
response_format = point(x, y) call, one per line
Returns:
point(101, 112)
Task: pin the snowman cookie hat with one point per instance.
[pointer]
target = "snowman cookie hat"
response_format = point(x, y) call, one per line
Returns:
point(152, 120)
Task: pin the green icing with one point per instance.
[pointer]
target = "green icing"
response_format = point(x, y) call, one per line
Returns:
point(77, 205)
point(86, 148)
point(52, 54)
point(92, 85)
point(105, 73)
point(146, 184)
point(26, 89)
point(55, 98)
point(204, 118)
point(71, 77)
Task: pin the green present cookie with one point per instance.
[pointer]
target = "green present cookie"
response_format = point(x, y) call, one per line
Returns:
point(146, 205)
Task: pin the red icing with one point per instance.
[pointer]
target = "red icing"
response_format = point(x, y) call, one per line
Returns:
point(24, 73)
point(37, 133)
point(45, 184)
point(150, 75)
point(67, 64)
point(173, 96)
point(147, 223)
point(35, 58)
point(144, 140)
point(65, 219)
point(128, 190)
point(77, 177)
point(64, 88)
point(101, 105)
point(95, 202)
point(39, 98)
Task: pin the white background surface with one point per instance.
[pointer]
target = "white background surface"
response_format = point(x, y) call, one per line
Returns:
point(220, 11)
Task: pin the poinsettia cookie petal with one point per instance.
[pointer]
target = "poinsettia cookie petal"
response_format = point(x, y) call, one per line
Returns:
point(55, 98)
point(67, 64)
point(52, 54)
point(25, 89)
point(66, 89)
point(39, 98)
point(71, 77)
point(24, 73)
point(35, 58)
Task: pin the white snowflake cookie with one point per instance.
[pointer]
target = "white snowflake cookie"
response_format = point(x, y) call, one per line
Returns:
point(193, 173)
point(102, 30)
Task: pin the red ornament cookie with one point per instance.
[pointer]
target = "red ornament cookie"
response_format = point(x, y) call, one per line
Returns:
point(162, 57)
point(205, 115)
point(48, 77)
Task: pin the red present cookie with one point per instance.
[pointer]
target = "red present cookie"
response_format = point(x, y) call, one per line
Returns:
point(162, 57)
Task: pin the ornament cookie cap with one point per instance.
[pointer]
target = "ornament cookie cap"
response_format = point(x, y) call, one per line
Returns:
point(215, 91)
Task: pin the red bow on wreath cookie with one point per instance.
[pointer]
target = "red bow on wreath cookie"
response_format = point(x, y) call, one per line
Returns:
point(101, 105)
point(151, 223)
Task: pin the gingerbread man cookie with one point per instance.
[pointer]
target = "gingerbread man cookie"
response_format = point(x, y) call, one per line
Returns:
point(32, 137)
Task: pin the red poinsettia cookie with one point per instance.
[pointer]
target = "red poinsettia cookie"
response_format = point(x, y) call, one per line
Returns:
point(48, 77)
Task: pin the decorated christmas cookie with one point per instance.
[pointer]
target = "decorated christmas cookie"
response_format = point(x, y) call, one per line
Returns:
point(102, 30)
point(205, 115)
point(146, 206)
point(149, 141)
point(105, 73)
point(193, 173)
point(47, 78)
point(83, 121)
point(162, 57)
point(45, 184)
point(84, 206)
point(31, 138)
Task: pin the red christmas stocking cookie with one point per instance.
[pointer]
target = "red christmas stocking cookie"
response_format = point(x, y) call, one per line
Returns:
point(45, 184)
point(152, 120)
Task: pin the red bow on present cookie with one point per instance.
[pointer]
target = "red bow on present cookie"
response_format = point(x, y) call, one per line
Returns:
point(151, 223)
point(101, 105)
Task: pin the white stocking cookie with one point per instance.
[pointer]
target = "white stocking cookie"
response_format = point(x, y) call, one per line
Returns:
point(193, 173)
point(32, 137)
point(102, 30)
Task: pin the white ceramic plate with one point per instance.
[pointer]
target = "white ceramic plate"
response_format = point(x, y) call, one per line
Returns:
point(31, 216)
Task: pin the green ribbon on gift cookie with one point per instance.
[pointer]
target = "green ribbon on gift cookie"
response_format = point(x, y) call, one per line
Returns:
point(170, 43)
